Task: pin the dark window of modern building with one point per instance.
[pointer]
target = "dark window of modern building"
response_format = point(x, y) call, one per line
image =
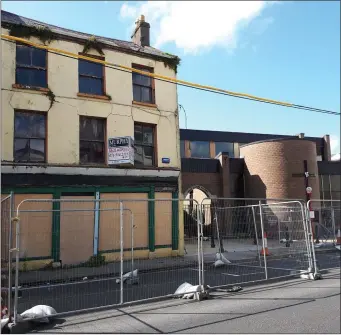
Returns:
point(200, 149)
point(144, 140)
point(91, 77)
point(224, 147)
point(31, 66)
point(143, 86)
point(29, 137)
point(92, 140)
point(182, 149)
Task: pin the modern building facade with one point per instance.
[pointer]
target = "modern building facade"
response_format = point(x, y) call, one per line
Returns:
point(232, 164)
point(63, 120)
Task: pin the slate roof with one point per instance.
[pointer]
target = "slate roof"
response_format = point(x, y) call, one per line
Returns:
point(8, 18)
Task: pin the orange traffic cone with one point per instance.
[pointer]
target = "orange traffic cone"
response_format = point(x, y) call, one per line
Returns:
point(338, 237)
point(265, 250)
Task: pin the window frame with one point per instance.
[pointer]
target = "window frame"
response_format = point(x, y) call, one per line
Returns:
point(25, 111)
point(104, 140)
point(18, 85)
point(93, 77)
point(152, 87)
point(155, 156)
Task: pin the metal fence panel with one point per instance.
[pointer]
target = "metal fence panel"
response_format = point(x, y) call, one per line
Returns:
point(324, 218)
point(250, 240)
point(6, 246)
point(166, 269)
point(104, 252)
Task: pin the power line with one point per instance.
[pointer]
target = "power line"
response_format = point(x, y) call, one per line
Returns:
point(179, 82)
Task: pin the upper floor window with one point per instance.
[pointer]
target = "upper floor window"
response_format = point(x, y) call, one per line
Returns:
point(91, 77)
point(224, 147)
point(31, 66)
point(143, 86)
point(29, 137)
point(182, 149)
point(92, 140)
point(200, 149)
point(144, 140)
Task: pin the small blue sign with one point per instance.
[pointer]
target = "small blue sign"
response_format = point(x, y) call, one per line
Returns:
point(165, 160)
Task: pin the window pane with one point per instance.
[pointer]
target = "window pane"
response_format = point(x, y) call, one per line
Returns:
point(200, 149)
point(24, 76)
point(39, 57)
point(37, 125)
point(146, 94)
point(23, 56)
point(31, 77)
point(29, 125)
point(224, 147)
point(91, 152)
point(182, 148)
point(21, 150)
point(91, 129)
point(138, 155)
point(90, 86)
point(39, 78)
point(90, 68)
point(37, 150)
point(140, 79)
point(148, 135)
point(138, 138)
point(22, 125)
point(136, 93)
point(148, 156)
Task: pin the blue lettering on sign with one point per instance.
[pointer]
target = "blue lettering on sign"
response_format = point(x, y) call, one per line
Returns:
point(165, 160)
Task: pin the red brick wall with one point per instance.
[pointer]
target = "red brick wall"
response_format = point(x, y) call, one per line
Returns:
point(270, 165)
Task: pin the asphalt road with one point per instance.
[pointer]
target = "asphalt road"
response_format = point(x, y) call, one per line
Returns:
point(97, 293)
point(293, 306)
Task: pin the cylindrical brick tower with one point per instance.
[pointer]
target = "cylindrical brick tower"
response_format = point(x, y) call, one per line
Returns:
point(275, 169)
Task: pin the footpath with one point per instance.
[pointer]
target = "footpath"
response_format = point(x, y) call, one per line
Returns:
point(234, 251)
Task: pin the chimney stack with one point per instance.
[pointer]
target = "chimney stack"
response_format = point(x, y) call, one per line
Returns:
point(300, 135)
point(141, 34)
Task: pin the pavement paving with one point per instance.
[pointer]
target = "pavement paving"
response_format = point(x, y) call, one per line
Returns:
point(293, 306)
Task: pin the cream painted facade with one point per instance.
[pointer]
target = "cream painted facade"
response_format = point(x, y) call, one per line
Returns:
point(63, 117)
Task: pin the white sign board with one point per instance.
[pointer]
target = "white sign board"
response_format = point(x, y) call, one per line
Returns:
point(120, 150)
point(309, 190)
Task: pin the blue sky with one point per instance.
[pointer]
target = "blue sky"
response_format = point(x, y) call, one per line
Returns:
point(289, 51)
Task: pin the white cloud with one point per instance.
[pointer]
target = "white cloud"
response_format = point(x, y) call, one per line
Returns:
point(199, 25)
point(334, 144)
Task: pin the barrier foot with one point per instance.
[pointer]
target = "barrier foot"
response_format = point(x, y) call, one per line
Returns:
point(311, 275)
point(204, 294)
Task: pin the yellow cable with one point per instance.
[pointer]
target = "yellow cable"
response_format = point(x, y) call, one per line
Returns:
point(173, 80)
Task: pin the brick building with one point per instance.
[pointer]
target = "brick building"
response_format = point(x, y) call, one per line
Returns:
point(236, 165)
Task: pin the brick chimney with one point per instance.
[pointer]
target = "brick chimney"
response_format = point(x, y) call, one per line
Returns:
point(141, 34)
